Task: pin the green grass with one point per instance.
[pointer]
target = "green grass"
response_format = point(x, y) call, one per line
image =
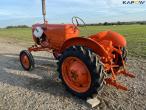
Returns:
point(134, 34)
point(18, 34)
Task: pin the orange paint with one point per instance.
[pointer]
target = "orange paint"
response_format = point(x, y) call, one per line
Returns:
point(25, 61)
point(117, 39)
point(58, 33)
point(59, 37)
point(76, 74)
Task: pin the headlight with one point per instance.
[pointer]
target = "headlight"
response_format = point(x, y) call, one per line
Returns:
point(38, 32)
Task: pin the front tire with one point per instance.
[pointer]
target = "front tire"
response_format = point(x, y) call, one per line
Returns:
point(80, 71)
point(26, 60)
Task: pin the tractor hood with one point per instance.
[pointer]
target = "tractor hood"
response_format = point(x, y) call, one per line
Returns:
point(117, 39)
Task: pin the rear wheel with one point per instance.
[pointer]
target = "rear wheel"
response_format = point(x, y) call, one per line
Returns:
point(81, 71)
point(26, 60)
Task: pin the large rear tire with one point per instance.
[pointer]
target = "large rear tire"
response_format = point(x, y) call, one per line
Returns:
point(80, 71)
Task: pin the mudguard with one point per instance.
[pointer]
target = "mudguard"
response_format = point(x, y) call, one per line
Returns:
point(86, 42)
point(117, 39)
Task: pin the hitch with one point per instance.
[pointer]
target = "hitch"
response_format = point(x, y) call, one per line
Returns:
point(112, 80)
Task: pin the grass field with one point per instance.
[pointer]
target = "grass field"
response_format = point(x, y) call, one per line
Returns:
point(134, 34)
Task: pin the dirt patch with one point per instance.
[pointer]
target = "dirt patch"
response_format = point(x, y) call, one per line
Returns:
point(40, 89)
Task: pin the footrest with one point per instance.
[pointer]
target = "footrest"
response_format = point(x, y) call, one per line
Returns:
point(115, 84)
point(126, 73)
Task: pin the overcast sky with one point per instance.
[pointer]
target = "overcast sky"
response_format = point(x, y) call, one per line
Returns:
point(15, 12)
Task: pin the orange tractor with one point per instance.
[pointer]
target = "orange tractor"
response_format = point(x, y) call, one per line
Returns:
point(84, 64)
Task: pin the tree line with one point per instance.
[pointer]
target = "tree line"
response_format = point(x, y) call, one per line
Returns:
point(117, 23)
point(19, 26)
point(92, 24)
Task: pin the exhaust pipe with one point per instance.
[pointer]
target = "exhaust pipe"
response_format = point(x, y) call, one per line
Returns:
point(44, 10)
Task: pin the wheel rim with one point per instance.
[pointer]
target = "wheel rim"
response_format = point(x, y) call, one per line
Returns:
point(76, 74)
point(25, 61)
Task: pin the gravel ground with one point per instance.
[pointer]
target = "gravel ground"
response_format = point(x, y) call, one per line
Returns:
point(41, 90)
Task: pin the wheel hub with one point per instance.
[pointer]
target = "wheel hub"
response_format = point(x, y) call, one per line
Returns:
point(25, 61)
point(76, 74)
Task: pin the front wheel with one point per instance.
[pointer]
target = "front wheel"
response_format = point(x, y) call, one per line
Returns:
point(80, 71)
point(26, 60)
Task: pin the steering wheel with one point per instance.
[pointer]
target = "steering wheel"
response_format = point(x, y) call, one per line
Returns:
point(76, 22)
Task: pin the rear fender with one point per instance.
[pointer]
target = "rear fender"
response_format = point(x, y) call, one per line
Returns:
point(89, 43)
point(117, 39)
